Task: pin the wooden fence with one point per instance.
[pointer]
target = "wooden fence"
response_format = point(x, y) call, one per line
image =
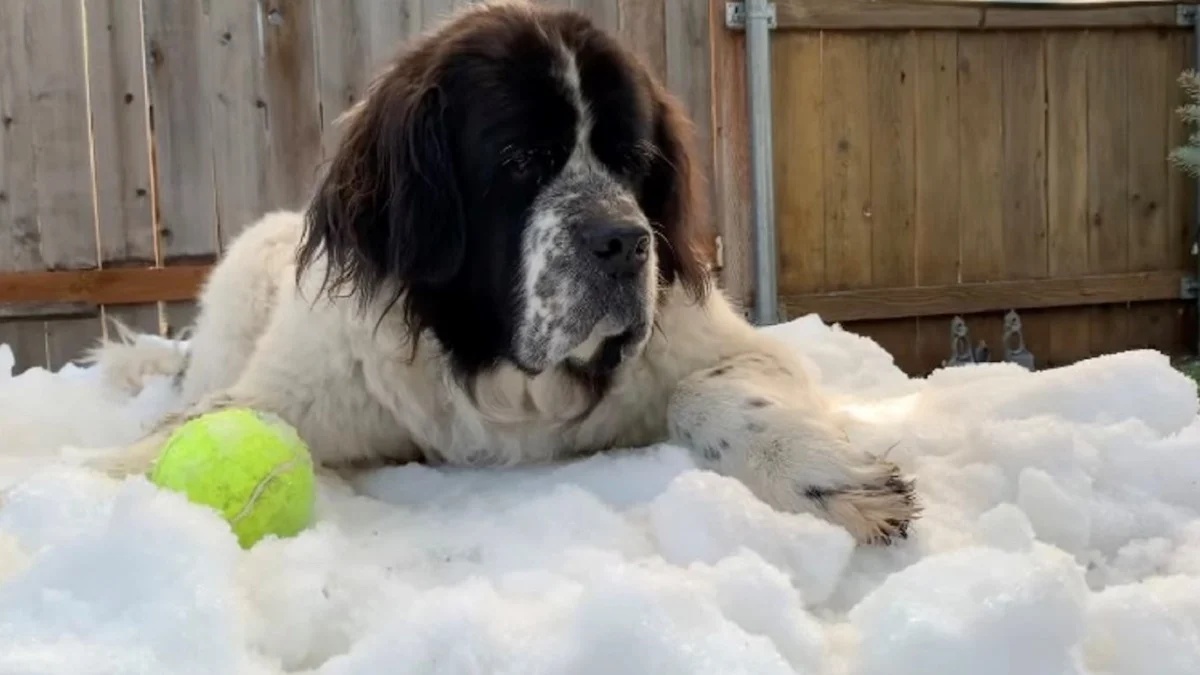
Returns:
point(933, 161)
point(930, 160)
point(139, 136)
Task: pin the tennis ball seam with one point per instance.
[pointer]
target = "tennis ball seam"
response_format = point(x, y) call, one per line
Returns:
point(260, 487)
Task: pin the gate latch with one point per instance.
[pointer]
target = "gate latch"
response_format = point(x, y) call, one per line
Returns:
point(735, 15)
point(1014, 342)
point(961, 353)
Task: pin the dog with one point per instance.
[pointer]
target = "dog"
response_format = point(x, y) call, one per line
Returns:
point(502, 263)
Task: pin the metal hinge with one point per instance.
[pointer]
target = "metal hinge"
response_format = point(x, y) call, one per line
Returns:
point(1189, 288)
point(1185, 15)
point(735, 15)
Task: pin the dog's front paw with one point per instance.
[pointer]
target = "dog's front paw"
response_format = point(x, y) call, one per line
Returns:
point(876, 508)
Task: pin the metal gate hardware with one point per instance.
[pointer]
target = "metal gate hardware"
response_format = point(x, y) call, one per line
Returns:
point(960, 346)
point(1185, 15)
point(735, 15)
point(1015, 352)
point(1189, 288)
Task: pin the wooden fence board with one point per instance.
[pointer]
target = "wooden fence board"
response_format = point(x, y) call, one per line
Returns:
point(1181, 188)
point(1067, 185)
point(229, 52)
point(19, 238)
point(988, 299)
point(641, 27)
point(606, 13)
point(981, 162)
point(293, 101)
point(685, 34)
point(1024, 181)
point(1108, 188)
point(62, 160)
point(116, 89)
point(892, 67)
point(896, 15)
point(731, 157)
point(120, 146)
point(799, 169)
point(937, 175)
point(180, 89)
point(1150, 246)
point(847, 151)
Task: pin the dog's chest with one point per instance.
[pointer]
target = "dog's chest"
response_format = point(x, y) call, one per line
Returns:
point(508, 417)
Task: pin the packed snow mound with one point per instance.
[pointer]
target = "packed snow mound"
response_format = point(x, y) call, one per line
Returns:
point(1061, 536)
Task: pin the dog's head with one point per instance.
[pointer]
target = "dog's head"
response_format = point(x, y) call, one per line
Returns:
point(521, 187)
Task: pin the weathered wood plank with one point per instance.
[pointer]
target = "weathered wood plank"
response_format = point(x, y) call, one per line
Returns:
point(1104, 17)
point(238, 103)
point(1181, 189)
point(47, 310)
point(293, 103)
point(799, 169)
point(847, 161)
point(111, 286)
point(988, 297)
point(1149, 110)
point(341, 58)
point(19, 236)
point(62, 160)
point(356, 39)
point(1067, 187)
point(731, 157)
point(937, 176)
point(641, 28)
point(116, 87)
point(606, 13)
point(1024, 183)
point(689, 80)
point(1108, 177)
point(120, 146)
point(901, 15)
point(179, 91)
point(892, 75)
point(981, 165)
point(870, 14)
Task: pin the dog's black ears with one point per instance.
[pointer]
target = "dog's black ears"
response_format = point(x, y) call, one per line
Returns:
point(388, 214)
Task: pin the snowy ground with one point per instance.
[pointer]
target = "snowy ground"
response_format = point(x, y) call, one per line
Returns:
point(1061, 535)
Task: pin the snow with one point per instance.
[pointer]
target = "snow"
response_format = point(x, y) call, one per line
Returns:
point(1061, 537)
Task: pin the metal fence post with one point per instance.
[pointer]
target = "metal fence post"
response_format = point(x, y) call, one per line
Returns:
point(759, 18)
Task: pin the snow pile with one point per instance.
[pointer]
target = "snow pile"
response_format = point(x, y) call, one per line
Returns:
point(1061, 536)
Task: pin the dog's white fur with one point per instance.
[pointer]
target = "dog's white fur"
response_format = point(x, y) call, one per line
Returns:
point(706, 379)
point(361, 389)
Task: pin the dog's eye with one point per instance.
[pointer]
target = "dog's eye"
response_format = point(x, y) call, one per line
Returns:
point(525, 165)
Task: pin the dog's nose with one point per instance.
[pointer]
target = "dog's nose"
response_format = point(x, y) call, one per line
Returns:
point(621, 248)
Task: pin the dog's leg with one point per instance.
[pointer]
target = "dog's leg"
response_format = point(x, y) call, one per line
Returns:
point(754, 418)
point(139, 456)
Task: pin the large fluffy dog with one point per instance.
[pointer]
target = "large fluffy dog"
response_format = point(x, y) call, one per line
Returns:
point(500, 266)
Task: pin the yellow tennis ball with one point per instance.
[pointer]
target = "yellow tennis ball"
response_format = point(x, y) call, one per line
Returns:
point(251, 467)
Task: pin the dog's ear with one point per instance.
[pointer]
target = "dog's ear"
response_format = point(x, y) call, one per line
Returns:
point(388, 214)
point(673, 198)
